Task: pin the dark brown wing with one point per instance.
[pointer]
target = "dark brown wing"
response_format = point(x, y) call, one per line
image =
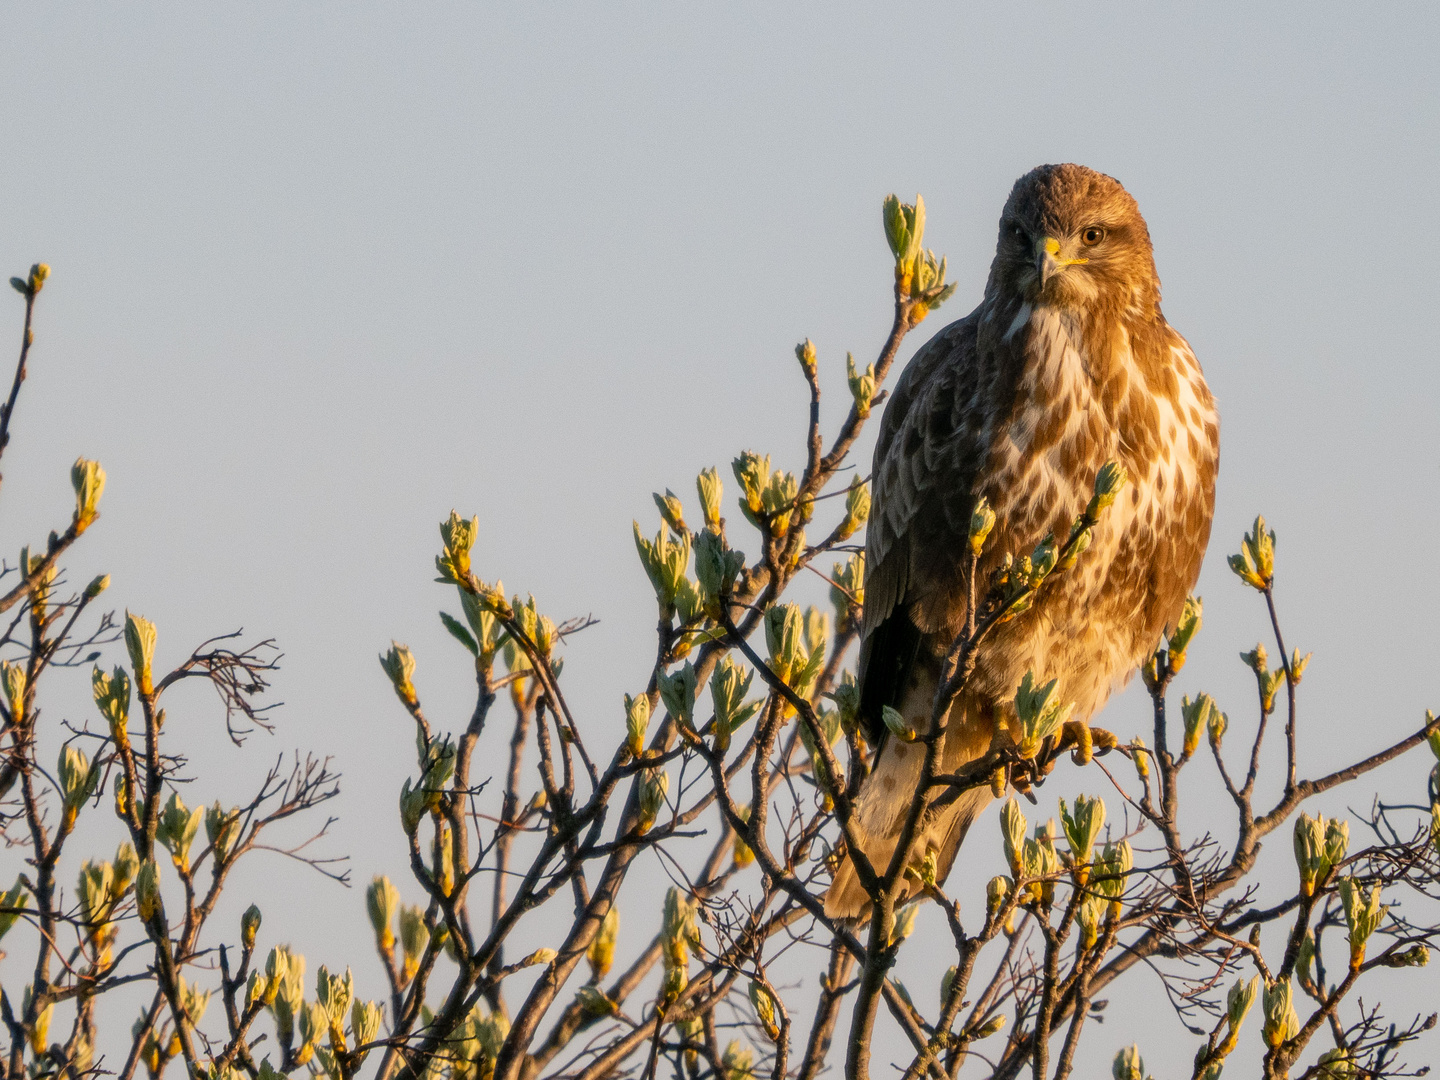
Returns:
point(927, 455)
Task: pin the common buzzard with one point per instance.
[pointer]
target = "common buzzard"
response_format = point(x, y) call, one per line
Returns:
point(1066, 363)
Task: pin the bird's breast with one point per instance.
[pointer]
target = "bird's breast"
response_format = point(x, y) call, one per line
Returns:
point(1084, 395)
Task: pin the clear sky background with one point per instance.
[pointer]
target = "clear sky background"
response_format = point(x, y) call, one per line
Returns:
point(323, 272)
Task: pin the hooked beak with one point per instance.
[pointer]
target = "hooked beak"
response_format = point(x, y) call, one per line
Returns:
point(1047, 261)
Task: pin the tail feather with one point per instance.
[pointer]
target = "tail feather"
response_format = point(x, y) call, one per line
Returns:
point(884, 800)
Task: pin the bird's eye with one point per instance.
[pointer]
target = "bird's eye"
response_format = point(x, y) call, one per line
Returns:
point(1017, 231)
point(1093, 235)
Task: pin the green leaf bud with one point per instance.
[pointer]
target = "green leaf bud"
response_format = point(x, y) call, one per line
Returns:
point(805, 353)
point(665, 559)
point(222, 828)
point(413, 805)
point(777, 500)
point(1219, 722)
point(414, 937)
point(1363, 915)
point(1128, 1064)
point(904, 922)
point(112, 698)
point(399, 666)
point(177, 829)
point(1197, 715)
point(88, 479)
point(990, 1027)
point(40, 1030)
point(847, 589)
point(594, 1003)
point(249, 926)
point(1108, 482)
point(637, 722)
point(147, 890)
point(457, 536)
point(1012, 829)
point(1041, 713)
point(896, 724)
point(846, 697)
point(1081, 829)
point(255, 988)
point(601, 953)
point(857, 508)
point(1116, 862)
point(784, 631)
point(365, 1019)
point(738, 1061)
point(1242, 995)
point(1087, 916)
point(998, 888)
point(1299, 663)
point(314, 1021)
point(753, 474)
point(140, 644)
point(671, 511)
point(764, 1006)
point(1140, 757)
point(678, 930)
point(78, 780)
point(15, 680)
point(382, 901)
point(677, 691)
point(97, 585)
point(728, 686)
point(1186, 627)
point(904, 227)
point(1255, 563)
point(711, 490)
point(982, 520)
point(1281, 1022)
point(1415, 956)
point(862, 387)
point(1337, 1064)
point(654, 784)
point(334, 993)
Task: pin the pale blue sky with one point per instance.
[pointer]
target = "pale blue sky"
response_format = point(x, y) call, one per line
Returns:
point(323, 272)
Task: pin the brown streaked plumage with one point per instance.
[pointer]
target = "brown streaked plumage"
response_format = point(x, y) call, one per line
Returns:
point(1066, 363)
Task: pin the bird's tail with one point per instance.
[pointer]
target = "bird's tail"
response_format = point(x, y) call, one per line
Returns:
point(879, 817)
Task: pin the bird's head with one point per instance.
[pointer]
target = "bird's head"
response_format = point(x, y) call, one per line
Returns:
point(1073, 237)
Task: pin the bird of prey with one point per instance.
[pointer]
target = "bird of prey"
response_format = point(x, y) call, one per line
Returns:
point(1067, 363)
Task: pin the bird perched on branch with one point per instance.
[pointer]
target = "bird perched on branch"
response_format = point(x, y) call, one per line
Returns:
point(1066, 364)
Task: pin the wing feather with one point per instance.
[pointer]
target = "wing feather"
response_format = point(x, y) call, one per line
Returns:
point(926, 458)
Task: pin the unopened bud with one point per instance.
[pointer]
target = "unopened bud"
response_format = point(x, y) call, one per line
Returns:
point(671, 510)
point(249, 926)
point(897, 724)
point(1281, 1022)
point(637, 722)
point(147, 890)
point(862, 387)
point(710, 489)
point(805, 353)
point(1108, 482)
point(982, 520)
point(140, 643)
point(764, 1006)
point(990, 1027)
